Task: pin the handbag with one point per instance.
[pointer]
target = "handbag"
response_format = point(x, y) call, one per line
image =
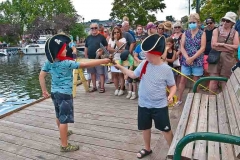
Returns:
point(214, 55)
point(176, 63)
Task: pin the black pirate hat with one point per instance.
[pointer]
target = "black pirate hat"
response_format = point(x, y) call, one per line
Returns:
point(54, 45)
point(124, 55)
point(154, 44)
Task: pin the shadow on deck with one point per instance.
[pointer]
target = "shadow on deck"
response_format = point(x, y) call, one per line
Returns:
point(105, 128)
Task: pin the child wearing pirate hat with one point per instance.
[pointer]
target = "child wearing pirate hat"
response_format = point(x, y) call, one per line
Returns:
point(60, 67)
point(152, 103)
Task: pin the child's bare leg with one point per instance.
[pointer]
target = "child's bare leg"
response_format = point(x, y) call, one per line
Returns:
point(147, 140)
point(63, 128)
point(58, 122)
point(168, 136)
point(135, 87)
point(130, 87)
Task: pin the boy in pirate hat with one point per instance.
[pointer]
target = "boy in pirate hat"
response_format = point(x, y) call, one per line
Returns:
point(152, 103)
point(60, 67)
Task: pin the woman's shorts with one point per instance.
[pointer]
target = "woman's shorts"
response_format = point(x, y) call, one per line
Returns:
point(159, 115)
point(192, 70)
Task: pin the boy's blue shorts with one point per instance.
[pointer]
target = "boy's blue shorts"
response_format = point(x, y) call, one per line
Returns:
point(63, 107)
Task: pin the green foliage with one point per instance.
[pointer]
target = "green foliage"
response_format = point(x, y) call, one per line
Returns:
point(138, 12)
point(217, 8)
point(184, 19)
point(170, 18)
point(77, 30)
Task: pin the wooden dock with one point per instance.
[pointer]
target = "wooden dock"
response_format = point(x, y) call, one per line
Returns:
point(105, 128)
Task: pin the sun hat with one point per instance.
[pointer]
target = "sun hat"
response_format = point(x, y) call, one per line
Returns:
point(231, 16)
point(150, 25)
point(167, 25)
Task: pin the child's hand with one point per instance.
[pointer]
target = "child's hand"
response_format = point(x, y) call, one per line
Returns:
point(45, 94)
point(125, 77)
point(167, 48)
point(170, 99)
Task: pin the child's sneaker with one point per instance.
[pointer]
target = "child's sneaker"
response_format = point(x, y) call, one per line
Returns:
point(129, 94)
point(116, 92)
point(178, 103)
point(121, 92)
point(134, 96)
point(69, 148)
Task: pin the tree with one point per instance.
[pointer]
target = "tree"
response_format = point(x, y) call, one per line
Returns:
point(184, 19)
point(216, 8)
point(139, 12)
point(170, 18)
point(77, 30)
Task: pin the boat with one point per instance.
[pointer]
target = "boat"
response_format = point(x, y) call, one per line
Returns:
point(36, 48)
point(7, 51)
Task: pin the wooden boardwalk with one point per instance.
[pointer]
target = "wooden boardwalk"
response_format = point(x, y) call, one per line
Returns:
point(105, 128)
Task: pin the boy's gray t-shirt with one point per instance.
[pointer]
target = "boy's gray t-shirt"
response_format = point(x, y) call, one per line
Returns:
point(152, 87)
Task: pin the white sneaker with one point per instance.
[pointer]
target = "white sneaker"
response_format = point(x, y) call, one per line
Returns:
point(116, 92)
point(134, 96)
point(129, 94)
point(121, 92)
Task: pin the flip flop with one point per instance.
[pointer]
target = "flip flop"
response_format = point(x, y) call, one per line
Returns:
point(93, 90)
point(101, 90)
point(146, 153)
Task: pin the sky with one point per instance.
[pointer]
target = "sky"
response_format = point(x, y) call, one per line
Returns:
point(96, 9)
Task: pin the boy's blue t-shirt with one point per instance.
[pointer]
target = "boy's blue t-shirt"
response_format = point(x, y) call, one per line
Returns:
point(152, 87)
point(141, 54)
point(62, 75)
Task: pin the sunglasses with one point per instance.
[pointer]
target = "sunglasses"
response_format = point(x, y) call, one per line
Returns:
point(94, 28)
point(192, 22)
point(177, 27)
point(161, 28)
point(116, 32)
point(226, 20)
point(209, 23)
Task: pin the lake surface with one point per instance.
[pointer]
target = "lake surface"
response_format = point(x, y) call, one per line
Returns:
point(19, 84)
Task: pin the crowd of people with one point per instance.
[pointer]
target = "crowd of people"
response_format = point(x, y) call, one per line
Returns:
point(150, 57)
point(186, 50)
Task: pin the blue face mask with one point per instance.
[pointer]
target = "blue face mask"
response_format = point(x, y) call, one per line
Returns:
point(192, 26)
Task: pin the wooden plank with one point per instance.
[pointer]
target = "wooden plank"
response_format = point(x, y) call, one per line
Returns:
point(181, 125)
point(227, 152)
point(200, 146)
point(237, 74)
point(85, 148)
point(213, 147)
point(11, 156)
point(234, 100)
point(29, 152)
point(192, 125)
point(234, 82)
point(49, 150)
point(231, 118)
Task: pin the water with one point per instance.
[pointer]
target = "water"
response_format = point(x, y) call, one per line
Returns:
point(19, 84)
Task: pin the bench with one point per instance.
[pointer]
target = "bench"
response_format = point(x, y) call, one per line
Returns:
point(208, 115)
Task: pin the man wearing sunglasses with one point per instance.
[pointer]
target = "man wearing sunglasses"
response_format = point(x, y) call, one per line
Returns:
point(92, 44)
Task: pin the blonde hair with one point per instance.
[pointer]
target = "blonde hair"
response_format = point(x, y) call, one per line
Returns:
point(194, 16)
point(125, 18)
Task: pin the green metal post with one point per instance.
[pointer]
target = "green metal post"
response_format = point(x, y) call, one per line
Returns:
point(224, 138)
point(207, 79)
point(198, 6)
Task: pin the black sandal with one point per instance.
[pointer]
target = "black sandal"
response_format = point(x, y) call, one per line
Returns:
point(146, 153)
point(101, 90)
point(93, 90)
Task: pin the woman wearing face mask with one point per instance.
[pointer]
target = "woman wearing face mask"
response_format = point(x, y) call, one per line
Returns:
point(227, 46)
point(192, 47)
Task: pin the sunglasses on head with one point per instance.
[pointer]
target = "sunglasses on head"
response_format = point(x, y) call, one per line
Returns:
point(209, 23)
point(192, 22)
point(226, 20)
point(177, 27)
point(94, 28)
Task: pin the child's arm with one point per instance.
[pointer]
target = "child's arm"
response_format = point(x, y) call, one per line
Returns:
point(173, 58)
point(172, 91)
point(94, 63)
point(124, 70)
point(42, 76)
